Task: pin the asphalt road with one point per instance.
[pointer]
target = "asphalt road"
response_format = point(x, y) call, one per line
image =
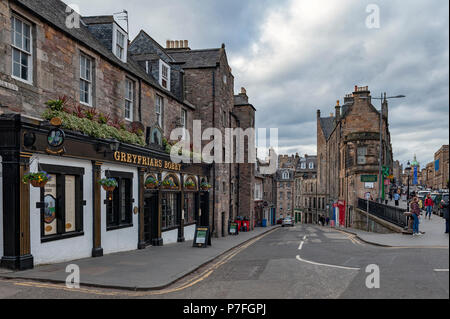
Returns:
point(302, 262)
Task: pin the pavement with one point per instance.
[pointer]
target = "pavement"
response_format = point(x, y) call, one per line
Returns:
point(434, 236)
point(148, 269)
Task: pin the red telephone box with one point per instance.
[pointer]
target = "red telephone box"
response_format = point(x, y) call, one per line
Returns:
point(341, 205)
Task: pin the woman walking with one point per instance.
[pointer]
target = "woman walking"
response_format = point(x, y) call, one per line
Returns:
point(429, 206)
point(415, 210)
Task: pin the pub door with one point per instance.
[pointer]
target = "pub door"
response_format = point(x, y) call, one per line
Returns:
point(204, 206)
point(150, 217)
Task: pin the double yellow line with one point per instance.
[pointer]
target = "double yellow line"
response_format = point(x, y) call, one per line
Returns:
point(191, 282)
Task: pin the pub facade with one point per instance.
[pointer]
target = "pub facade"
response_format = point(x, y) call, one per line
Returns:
point(114, 127)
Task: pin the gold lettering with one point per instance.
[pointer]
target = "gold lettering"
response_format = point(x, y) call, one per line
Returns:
point(152, 163)
point(123, 157)
point(144, 161)
point(160, 164)
point(139, 160)
point(134, 159)
point(117, 156)
point(129, 158)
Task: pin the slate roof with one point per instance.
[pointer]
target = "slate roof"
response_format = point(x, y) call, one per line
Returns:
point(193, 59)
point(327, 124)
point(54, 12)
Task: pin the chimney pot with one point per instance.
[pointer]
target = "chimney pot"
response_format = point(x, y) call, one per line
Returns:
point(243, 91)
point(167, 44)
point(177, 44)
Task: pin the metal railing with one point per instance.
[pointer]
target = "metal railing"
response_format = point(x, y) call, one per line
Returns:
point(388, 213)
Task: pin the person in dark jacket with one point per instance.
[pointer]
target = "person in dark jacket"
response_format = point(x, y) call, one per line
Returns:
point(446, 215)
point(415, 210)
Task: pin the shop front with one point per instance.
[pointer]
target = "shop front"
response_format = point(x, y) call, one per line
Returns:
point(97, 196)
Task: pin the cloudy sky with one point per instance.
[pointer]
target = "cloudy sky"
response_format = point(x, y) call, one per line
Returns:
point(297, 56)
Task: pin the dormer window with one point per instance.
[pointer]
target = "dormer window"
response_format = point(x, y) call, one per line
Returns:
point(120, 43)
point(303, 165)
point(311, 165)
point(164, 78)
point(285, 175)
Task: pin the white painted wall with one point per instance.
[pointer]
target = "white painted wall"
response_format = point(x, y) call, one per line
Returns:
point(120, 239)
point(170, 237)
point(1, 208)
point(189, 232)
point(65, 249)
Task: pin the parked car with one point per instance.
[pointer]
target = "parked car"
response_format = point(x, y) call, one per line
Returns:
point(288, 221)
point(423, 194)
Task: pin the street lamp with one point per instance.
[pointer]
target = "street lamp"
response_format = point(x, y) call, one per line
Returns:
point(408, 172)
point(383, 98)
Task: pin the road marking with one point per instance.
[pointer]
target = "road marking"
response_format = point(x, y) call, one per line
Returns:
point(326, 265)
point(183, 285)
point(304, 237)
point(301, 245)
point(441, 270)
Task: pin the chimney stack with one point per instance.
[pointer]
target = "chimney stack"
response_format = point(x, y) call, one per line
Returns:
point(338, 110)
point(177, 44)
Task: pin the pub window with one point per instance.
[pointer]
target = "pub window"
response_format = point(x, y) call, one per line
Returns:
point(189, 207)
point(22, 55)
point(119, 209)
point(169, 210)
point(62, 199)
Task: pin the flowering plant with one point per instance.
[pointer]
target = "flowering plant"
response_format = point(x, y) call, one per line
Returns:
point(168, 183)
point(151, 182)
point(108, 183)
point(38, 179)
point(189, 184)
point(205, 186)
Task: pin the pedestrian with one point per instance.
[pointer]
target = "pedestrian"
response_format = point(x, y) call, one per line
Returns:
point(397, 198)
point(444, 206)
point(429, 206)
point(415, 210)
point(327, 220)
point(390, 194)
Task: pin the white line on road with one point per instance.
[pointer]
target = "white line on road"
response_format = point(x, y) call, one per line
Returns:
point(301, 245)
point(441, 270)
point(304, 237)
point(327, 265)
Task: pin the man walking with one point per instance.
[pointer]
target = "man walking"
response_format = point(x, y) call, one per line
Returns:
point(428, 206)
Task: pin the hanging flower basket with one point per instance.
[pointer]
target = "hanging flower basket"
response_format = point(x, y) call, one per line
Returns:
point(108, 184)
point(38, 179)
point(205, 187)
point(189, 185)
point(168, 184)
point(151, 183)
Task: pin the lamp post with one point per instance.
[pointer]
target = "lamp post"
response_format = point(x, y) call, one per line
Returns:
point(408, 172)
point(383, 99)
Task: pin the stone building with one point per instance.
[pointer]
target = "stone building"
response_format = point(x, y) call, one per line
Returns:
point(142, 92)
point(348, 145)
point(285, 185)
point(397, 172)
point(309, 203)
point(441, 168)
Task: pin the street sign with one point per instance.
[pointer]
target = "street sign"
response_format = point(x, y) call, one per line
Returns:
point(367, 195)
point(233, 228)
point(369, 185)
point(369, 178)
point(202, 237)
